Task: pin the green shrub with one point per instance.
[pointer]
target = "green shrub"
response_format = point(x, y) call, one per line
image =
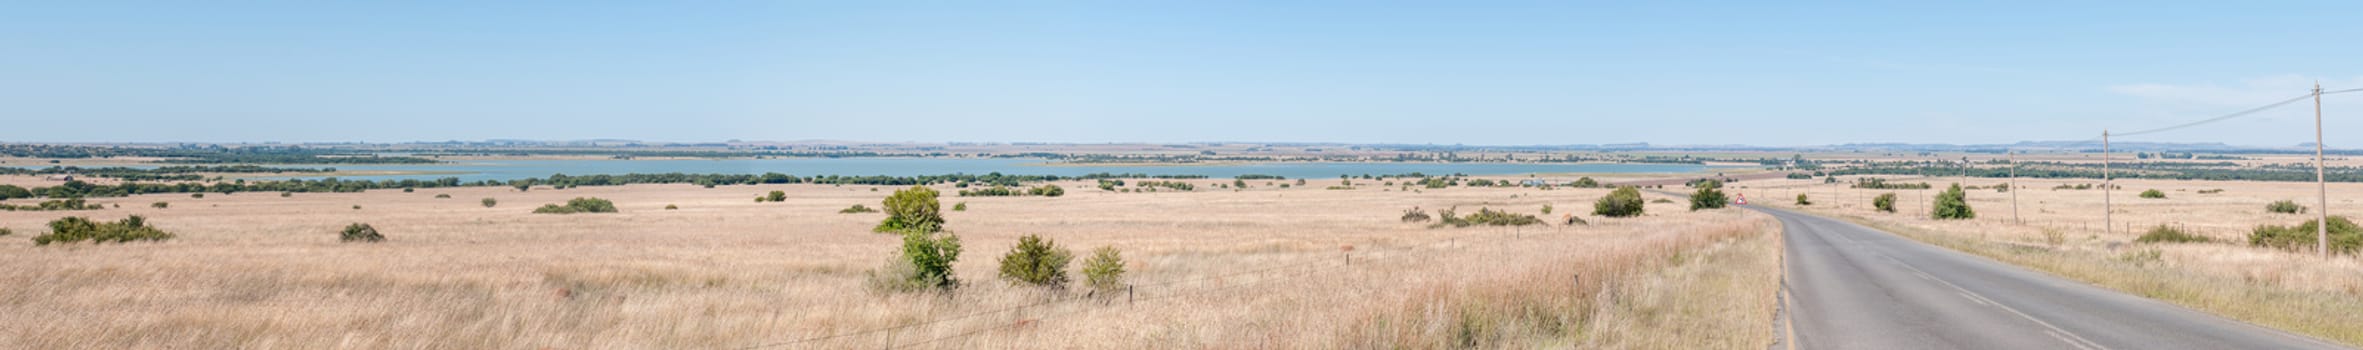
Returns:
point(356, 207)
point(1047, 190)
point(578, 205)
point(197, 195)
point(1661, 201)
point(1802, 201)
point(995, 191)
point(775, 196)
point(1546, 208)
point(672, 207)
point(408, 190)
point(1104, 270)
point(159, 205)
point(1708, 196)
point(2166, 234)
point(1623, 202)
point(2211, 191)
point(14, 191)
point(57, 204)
point(1415, 215)
point(924, 263)
point(286, 194)
point(442, 196)
point(1952, 204)
point(1484, 216)
point(1884, 202)
point(2285, 207)
point(360, 232)
point(2345, 237)
point(1036, 261)
point(2153, 194)
point(74, 229)
point(912, 209)
point(856, 209)
point(489, 202)
point(4, 232)
point(961, 206)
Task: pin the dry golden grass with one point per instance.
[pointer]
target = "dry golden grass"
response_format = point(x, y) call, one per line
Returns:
point(2063, 235)
point(255, 270)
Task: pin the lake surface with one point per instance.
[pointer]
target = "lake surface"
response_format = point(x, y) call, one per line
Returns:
point(519, 169)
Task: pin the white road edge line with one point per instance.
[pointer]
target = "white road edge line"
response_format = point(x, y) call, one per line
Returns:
point(1999, 305)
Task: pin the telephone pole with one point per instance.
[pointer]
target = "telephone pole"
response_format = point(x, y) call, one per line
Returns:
point(2321, 227)
point(2106, 223)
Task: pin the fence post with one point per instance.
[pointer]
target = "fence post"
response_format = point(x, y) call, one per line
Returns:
point(1127, 294)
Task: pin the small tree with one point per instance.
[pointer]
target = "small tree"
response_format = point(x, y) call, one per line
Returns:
point(1708, 196)
point(1952, 204)
point(930, 256)
point(1624, 201)
point(912, 209)
point(2153, 194)
point(360, 232)
point(489, 202)
point(1104, 270)
point(1239, 183)
point(961, 206)
point(1885, 202)
point(776, 196)
point(1546, 208)
point(1036, 261)
point(1802, 201)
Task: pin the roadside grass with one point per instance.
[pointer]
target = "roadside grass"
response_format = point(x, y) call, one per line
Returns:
point(2335, 316)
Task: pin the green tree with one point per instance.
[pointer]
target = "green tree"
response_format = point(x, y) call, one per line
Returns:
point(1586, 182)
point(1952, 204)
point(1036, 261)
point(1104, 270)
point(913, 209)
point(489, 202)
point(1239, 183)
point(930, 256)
point(1885, 202)
point(1624, 201)
point(12, 191)
point(776, 196)
point(1708, 196)
point(1802, 201)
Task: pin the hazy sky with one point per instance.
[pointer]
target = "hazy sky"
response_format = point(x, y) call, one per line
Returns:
point(1765, 73)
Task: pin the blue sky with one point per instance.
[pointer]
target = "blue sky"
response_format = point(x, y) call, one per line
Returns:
point(1770, 73)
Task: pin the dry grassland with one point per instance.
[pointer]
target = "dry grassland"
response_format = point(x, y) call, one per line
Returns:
point(2063, 234)
point(1260, 268)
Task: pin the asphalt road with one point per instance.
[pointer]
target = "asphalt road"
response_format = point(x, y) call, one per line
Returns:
point(1853, 287)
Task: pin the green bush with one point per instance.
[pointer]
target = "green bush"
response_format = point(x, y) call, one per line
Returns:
point(442, 196)
point(409, 190)
point(775, 196)
point(197, 195)
point(914, 209)
point(995, 191)
point(1885, 202)
point(489, 202)
point(1415, 215)
point(1047, 190)
point(159, 205)
point(360, 232)
point(2345, 237)
point(74, 229)
point(925, 263)
point(1486, 217)
point(578, 205)
point(1104, 270)
point(13, 191)
point(1952, 204)
point(2285, 207)
point(1708, 196)
point(961, 206)
point(856, 209)
point(1546, 208)
point(56, 204)
point(1036, 261)
point(1802, 201)
point(672, 207)
point(2153, 194)
point(2211, 191)
point(4, 232)
point(2166, 234)
point(1623, 202)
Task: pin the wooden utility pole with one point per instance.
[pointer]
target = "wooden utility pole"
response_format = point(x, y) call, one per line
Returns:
point(2013, 187)
point(2322, 227)
point(2106, 224)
